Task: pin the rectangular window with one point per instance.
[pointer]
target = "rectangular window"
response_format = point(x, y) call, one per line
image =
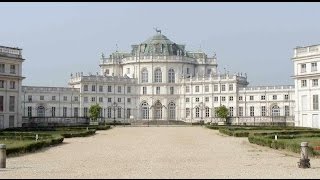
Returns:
point(42, 98)
point(93, 88)
point(85, 88)
point(314, 82)
point(128, 112)
point(85, 99)
point(119, 99)
point(230, 98)
point(197, 99)
point(109, 100)
point(11, 121)
point(240, 111)
point(286, 96)
point(251, 110)
point(109, 112)
point(216, 98)
point(76, 98)
point(207, 99)
point(286, 111)
point(274, 97)
point(76, 112)
point(11, 103)
point(223, 98)
point(53, 98)
point(315, 102)
point(30, 98)
point(85, 112)
point(188, 70)
point(197, 88)
point(128, 70)
point(12, 69)
point(187, 99)
point(187, 112)
point(206, 88)
point(263, 110)
point(65, 98)
point(144, 90)
point(231, 111)
point(2, 68)
point(119, 112)
point(230, 87)
point(128, 100)
point(187, 89)
point(53, 111)
point(29, 111)
point(215, 87)
point(171, 90)
point(12, 85)
point(107, 71)
point(303, 68)
point(93, 99)
point(1, 83)
point(64, 111)
point(207, 112)
point(314, 66)
point(157, 90)
point(223, 87)
point(129, 89)
point(1, 103)
point(109, 89)
point(240, 98)
point(251, 98)
point(100, 99)
point(119, 89)
point(197, 112)
point(100, 88)
point(303, 83)
point(263, 97)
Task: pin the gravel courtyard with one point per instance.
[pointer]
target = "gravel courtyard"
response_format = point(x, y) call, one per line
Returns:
point(158, 152)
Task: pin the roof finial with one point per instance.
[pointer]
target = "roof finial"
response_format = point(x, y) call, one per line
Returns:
point(157, 30)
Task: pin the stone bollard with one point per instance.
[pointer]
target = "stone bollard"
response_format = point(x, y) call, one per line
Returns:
point(3, 156)
point(304, 160)
point(275, 137)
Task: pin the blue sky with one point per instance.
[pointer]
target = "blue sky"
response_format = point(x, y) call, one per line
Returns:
point(254, 38)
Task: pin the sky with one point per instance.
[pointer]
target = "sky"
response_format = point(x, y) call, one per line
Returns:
point(253, 38)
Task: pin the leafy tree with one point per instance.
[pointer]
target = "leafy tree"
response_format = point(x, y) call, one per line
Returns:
point(94, 111)
point(222, 112)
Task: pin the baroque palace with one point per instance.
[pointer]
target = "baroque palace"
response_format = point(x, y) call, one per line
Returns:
point(160, 80)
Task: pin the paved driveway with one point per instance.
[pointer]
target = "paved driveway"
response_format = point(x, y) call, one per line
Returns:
point(158, 152)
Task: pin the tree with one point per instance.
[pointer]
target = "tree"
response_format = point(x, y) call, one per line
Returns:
point(94, 111)
point(222, 112)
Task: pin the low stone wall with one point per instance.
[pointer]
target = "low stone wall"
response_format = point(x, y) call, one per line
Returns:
point(54, 121)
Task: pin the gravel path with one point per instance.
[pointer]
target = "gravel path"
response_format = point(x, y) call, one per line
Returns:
point(158, 152)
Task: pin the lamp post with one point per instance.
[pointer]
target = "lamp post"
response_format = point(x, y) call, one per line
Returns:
point(114, 106)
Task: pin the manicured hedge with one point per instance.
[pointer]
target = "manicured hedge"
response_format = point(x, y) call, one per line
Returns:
point(279, 144)
point(78, 133)
point(30, 147)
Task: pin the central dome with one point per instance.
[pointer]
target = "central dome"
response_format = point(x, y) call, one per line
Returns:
point(158, 39)
point(158, 45)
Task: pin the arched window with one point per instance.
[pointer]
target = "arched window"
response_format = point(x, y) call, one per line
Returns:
point(144, 76)
point(157, 110)
point(171, 76)
point(145, 110)
point(172, 111)
point(275, 110)
point(157, 75)
point(41, 111)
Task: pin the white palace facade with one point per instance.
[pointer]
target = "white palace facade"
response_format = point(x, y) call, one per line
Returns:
point(161, 80)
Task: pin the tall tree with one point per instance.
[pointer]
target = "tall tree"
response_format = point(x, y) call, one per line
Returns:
point(222, 112)
point(94, 111)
